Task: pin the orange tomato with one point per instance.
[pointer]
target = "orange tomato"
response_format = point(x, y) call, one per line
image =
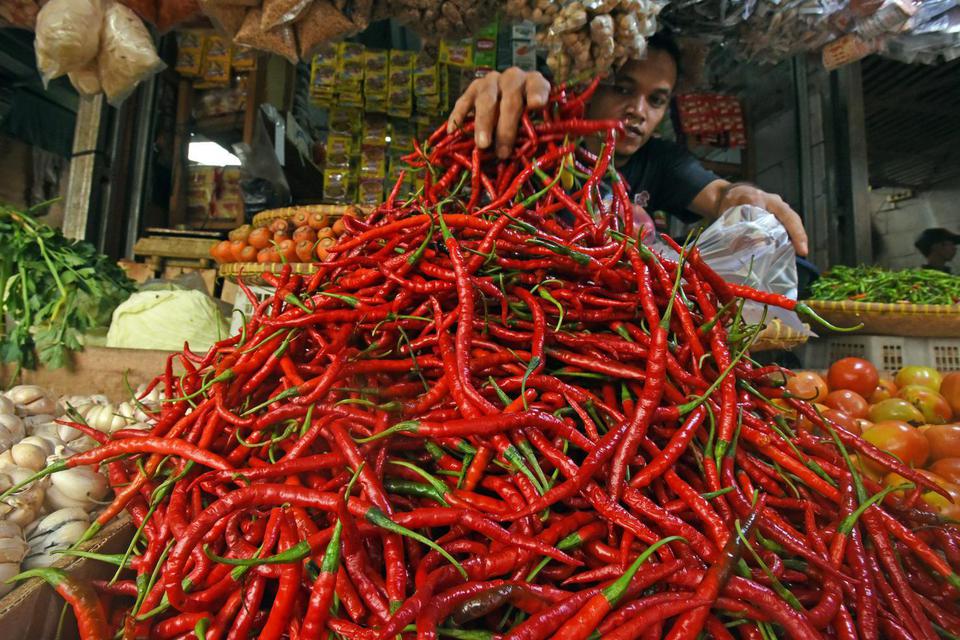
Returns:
point(842, 420)
point(305, 233)
point(264, 255)
point(944, 440)
point(288, 249)
point(885, 389)
point(931, 404)
point(301, 218)
point(948, 468)
point(236, 248)
point(248, 254)
point(318, 220)
point(279, 225)
point(807, 385)
point(304, 251)
point(895, 409)
point(339, 227)
point(260, 238)
point(899, 439)
point(325, 232)
point(221, 252)
point(950, 389)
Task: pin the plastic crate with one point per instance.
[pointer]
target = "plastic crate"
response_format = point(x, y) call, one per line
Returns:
point(888, 353)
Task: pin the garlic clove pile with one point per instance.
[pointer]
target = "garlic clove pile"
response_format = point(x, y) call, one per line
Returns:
point(31, 400)
point(53, 533)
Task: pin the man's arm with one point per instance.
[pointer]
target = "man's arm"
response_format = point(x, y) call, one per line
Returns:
point(720, 195)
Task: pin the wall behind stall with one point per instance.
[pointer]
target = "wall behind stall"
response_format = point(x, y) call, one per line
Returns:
point(896, 225)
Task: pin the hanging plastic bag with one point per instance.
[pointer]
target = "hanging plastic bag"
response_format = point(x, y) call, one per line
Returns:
point(127, 53)
point(68, 36)
point(87, 80)
point(18, 13)
point(748, 245)
point(322, 23)
point(281, 41)
point(280, 12)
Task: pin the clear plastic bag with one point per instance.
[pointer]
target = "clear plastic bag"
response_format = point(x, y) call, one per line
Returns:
point(87, 80)
point(281, 41)
point(748, 245)
point(127, 53)
point(281, 12)
point(68, 36)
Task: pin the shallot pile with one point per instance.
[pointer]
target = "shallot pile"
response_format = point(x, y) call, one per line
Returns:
point(496, 414)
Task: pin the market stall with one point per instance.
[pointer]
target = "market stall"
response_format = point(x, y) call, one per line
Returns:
point(359, 374)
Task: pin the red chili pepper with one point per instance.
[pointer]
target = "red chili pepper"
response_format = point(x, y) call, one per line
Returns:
point(82, 598)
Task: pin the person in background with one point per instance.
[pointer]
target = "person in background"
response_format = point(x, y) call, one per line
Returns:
point(661, 174)
point(938, 246)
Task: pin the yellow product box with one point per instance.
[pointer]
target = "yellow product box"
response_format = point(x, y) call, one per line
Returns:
point(457, 53)
point(375, 105)
point(243, 59)
point(189, 52)
point(375, 131)
point(350, 66)
point(426, 80)
point(227, 209)
point(215, 70)
point(339, 150)
point(230, 176)
point(336, 185)
point(322, 98)
point(373, 162)
point(370, 191)
point(353, 99)
point(323, 67)
point(400, 94)
point(376, 62)
point(401, 137)
point(345, 121)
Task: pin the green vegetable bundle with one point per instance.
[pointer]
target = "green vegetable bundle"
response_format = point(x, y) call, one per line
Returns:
point(874, 284)
point(53, 290)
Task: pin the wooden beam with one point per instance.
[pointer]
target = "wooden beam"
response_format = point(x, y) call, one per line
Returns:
point(855, 174)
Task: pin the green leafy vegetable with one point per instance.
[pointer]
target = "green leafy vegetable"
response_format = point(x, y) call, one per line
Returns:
point(53, 290)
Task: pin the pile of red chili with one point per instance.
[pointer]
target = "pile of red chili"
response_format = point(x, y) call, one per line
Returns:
point(494, 414)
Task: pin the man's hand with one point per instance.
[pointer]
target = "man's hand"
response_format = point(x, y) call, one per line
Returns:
point(498, 100)
point(721, 195)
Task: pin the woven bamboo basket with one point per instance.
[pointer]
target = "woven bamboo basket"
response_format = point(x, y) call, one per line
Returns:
point(264, 218)
point(778, 336)
point(251, 272)
point(901, 319)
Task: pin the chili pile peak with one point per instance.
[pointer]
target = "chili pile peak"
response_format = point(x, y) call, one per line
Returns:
point(494, 413)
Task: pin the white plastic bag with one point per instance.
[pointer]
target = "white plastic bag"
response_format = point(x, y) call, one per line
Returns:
point(68, 36)
point(747, 245)
point(127, 53)
point(86, 80)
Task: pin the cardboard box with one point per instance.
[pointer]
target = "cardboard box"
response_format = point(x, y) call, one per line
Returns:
point(32, 610)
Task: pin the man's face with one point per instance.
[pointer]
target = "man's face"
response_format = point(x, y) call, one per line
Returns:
point(639, 95)
point(945, 250)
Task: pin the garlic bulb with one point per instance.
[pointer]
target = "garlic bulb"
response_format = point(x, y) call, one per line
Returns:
point(13, 424)
point(31, 400)
point(80, 487)
point(24, 454)
point(6, 406)
point(151, 399)
point(105, 418)
point(55, 532)
point(13, 549)
point(23, 506)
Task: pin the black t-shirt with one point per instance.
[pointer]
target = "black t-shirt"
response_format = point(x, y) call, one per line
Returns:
point(664, 176)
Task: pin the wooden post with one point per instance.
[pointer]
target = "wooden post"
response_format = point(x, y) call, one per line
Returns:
point(855, 171)
point(83, 167)
point(181, 144)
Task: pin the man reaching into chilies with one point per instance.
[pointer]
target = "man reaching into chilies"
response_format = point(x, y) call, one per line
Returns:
point(661, 174)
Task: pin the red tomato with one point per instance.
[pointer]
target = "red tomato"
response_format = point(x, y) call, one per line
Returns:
point(899, 439)
point(805, 424)
point(895, 409)
point(924, 376)
point(944, 441)
point(260, 238)
point(950, 389)
point(842, 420)
point(931, 404)
point(885, 389)
point(855, 374)
point(807, 385)
point(948, 468)
point(849, 402)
